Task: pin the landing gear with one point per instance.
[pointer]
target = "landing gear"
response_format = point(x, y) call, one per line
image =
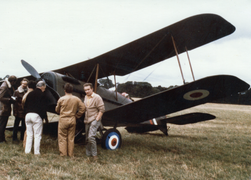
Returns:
point(80, 128)
point(111, 139)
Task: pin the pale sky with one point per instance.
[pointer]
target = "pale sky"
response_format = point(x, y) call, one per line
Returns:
point(54, 34)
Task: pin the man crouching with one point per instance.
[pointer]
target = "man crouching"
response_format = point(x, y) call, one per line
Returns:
point(69, 107)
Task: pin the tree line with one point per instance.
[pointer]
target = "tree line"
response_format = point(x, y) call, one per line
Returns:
point(134, 89)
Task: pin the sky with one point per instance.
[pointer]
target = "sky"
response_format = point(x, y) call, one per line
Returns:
point(52, 34)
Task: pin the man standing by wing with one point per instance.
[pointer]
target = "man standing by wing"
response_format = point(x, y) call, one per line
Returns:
point(94, 111)
point(69, 107)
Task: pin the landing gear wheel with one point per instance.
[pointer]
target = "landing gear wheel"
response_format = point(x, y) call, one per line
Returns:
point(111, 139)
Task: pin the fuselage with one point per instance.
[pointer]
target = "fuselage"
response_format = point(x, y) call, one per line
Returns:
point(57, 81)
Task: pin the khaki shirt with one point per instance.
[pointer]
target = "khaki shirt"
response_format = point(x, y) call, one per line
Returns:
point(68, 105)
point(93, 107)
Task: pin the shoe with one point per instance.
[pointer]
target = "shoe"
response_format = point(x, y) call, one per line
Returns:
point(95, 158)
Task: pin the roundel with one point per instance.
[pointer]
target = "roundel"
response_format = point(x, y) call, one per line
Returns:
point(196, 94)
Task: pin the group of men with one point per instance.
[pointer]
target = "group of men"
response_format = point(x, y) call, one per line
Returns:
point(29, 107)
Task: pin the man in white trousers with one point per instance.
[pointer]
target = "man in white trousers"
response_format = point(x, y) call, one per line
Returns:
point(35, 108)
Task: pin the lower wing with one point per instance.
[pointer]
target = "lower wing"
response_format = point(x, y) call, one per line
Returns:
point(192, 94)
point(160, 122)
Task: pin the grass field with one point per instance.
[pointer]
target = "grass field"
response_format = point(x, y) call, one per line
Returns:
point(216, 149)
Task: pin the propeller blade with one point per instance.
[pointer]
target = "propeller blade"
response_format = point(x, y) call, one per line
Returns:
point(52, 97)
point(30, 69)
point(53, 92)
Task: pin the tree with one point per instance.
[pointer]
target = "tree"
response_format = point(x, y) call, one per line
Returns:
point(139, 89)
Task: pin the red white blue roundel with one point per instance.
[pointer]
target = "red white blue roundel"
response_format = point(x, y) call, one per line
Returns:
point(196, 94)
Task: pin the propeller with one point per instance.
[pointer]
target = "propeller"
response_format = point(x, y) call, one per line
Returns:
point(52, 95)
point(30, 69)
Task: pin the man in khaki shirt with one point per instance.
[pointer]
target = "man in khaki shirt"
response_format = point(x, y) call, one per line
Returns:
point(69, 107)
point(94, 111)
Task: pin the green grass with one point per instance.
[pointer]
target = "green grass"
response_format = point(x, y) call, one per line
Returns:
point(216, 149)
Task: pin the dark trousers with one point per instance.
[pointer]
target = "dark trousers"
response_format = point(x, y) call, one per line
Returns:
point(3, 123)
point(16, 127)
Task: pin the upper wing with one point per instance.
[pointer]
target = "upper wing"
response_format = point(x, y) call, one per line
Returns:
point(189, 33)
point(198, 92)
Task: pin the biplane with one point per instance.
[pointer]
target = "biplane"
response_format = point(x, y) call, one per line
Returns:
point(147, 114)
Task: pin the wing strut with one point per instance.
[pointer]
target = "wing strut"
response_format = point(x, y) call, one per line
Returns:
point(115, 87)
point(178, 60)
point(91, 74)
point(96, 78)
point(190, 64)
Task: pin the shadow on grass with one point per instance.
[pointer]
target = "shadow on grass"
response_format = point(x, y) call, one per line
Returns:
point(170, 136)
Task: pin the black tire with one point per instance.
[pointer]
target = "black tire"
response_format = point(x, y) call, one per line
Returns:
point(111, 139)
